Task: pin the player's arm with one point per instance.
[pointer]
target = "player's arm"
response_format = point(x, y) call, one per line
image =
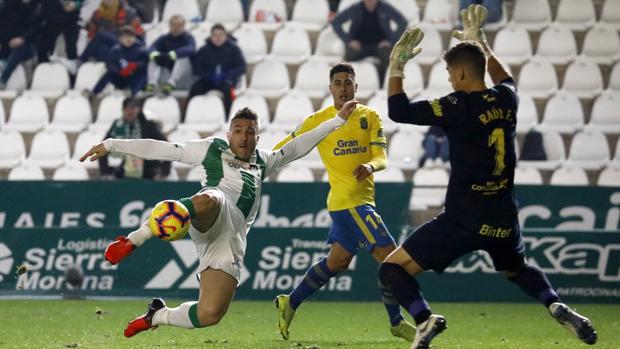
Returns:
point(308, 124)
point(302, 145)
point(191, 152)
point(378, 154)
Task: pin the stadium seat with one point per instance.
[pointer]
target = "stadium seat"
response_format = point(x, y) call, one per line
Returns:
point(295, 173)
point(367, 79)
point(614, 78)
point(173, 176)
point(291, 45)
point(554, 149)
point(189, 9)
point(270, 138)
point(409, 9)
point(527, 176)
point(602, 44)
point(429, 188)
point(267, 15)
point(84, 141)
point(389, 175)
point(563, 113)
point(609, 177)
point(11, 155)
point(71, 114)
point(569, 176)
point(50, 80)
point(151, 34)
point(2, 116)
point(28, 114)
point(26, 171)
point(313, 78)
point(201, 33)
point(413, 83)
point(269, 79)
point(557, 45)
point(610, 14)
point(439, 14)
point(88, 74)
point(17, 83)
point(329, 47)
point(438, 83)
point(310, 15)
point(588, 150)
point(71, 171)
point(252, 43)
point(205, 113)
point(405, 149)
point(196, 174)
point(227, 12)
point(533, 15)
point(583, 78)
point(256, 103)
point(378, 102)
point(182, 136)
point(432, 46)
point(538, 79)
point(344, 4)
point(513, 45)
point(605, 116)
point(110, 109)
point(49, 149)
point(165, 110)
point(527, 114)
point(576, 14)
point(291, 110)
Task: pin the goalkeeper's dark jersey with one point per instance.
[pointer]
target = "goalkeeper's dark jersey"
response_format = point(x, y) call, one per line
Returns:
point(480, 127)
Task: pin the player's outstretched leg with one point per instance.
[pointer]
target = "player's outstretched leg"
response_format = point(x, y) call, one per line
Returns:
point(427, 330)
point(285, 313)
point(117, 250)
point(580, 325)
point(144, 322)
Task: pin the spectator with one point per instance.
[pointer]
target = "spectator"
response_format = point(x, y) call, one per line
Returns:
point(533, 147)
point(126, 64)
point(18, 32)
point(134, 125)
point(218, 65)
point(104, 27)
point(436, 148)
point(59, 17)
point(145, 9)
point(172, 52)
point(494, 8)
point(370, 33)
point(333, 9)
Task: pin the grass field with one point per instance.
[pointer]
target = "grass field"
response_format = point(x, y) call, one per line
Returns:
point(75, 324)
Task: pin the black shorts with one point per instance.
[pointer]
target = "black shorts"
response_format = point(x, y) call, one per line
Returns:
point(440, 241)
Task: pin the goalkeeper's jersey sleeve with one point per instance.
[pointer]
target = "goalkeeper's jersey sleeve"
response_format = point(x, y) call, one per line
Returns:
point(345, 149)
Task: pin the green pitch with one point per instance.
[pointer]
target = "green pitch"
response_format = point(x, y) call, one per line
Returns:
point(76, 324)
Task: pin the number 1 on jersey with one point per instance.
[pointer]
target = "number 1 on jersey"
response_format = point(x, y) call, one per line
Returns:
point(497, 139)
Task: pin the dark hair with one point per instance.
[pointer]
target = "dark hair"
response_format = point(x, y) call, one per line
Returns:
point(219, 26)
point(130, 101)
point(469, 53)
point(342, 67)
point(245, 113)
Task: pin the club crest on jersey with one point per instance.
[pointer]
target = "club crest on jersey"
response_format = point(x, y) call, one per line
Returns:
point(237, 164)
point(452, 99)
point(364, 123)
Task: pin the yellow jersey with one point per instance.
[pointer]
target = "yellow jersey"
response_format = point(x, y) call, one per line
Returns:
point(360, 140)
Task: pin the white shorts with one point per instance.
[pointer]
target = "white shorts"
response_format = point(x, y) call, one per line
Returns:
point(222, 247)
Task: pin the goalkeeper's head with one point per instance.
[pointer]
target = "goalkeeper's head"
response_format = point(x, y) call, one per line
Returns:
point(466, 65)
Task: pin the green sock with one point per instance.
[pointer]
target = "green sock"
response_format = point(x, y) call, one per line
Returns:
point(187, 202)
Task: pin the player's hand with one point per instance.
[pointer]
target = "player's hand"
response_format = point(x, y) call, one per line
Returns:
point(96, 152)
point(347, 108)
point(472, 18)
point(362, 171)
point(355, 45)
point(405, 49)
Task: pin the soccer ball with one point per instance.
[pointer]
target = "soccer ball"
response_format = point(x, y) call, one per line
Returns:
point(169, 220)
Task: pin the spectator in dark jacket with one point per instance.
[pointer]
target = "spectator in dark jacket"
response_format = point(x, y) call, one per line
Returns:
point(218, 65)
point(145, 9)
point(134, 125)
point(172, 52)
point(370, 33)
point(59, 17)
point(18, 34)
point(126, 64)
point(104, 27)
point(436, 148)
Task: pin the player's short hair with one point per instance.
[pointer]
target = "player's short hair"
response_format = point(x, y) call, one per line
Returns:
point(245, 113)
point(131, 102)
point(342, 67)
point(219, 26)
point(470, 54)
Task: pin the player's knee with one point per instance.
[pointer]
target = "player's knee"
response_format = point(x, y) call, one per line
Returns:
point(210, 315)
point(206, 202)
point(338, 265)
point(388, 272)
point(511, 273)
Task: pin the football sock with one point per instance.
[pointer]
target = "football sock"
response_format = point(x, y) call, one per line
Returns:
point(534, 282)
point(391, 305)
point(138, 237)
point(317, 276)
point(185, 315)
point(406, 290)
point(187, 202)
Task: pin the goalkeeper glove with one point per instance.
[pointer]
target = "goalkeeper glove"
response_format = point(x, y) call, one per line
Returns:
point(405, 48)
point(473, 19)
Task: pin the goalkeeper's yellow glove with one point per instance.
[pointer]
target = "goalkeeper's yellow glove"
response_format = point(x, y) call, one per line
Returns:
point(472, 18)
point(405, 48)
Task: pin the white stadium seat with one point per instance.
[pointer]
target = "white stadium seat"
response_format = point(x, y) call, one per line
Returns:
point(110, 109)
point(88, 74)
point(409, 9)
point(569, 176)
point(49, 149)
point(614, 78)
point(164, 109)
point(389, 175)
point(527, 176)
point(255, 102)
point(291, 45)
point(602, 44)
point(557, 45)
point(378, 102)
point(563, 113)
point(291, 110)
point(429, 188)
point(588, 150)
point(527, 114)
point(84, 141)
point(201, 33)
point(189, 9)
point(513, 45)
point(329, 47)
point(26, 171)
point(313, 78)
point(28, 114)
point(538, 79)
point(205, 113)
point(71, 171)
point(310, 15)
point(269, 79)
point(405, 149)
point(438, 83)
point(432, 46)
point(295, 173)
point(610, 14)
point(227, 12)
point(50, 80)
point(605, 116)
point(533, 15)
point(367, 79)
point(252, 43)
point(583, 78)
point(71, 114)
point(10, 156)
point(270, 138)
point(267, 14)
point(609, 177)
point(576, 14)
point(17, 82)
point(439, 14)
